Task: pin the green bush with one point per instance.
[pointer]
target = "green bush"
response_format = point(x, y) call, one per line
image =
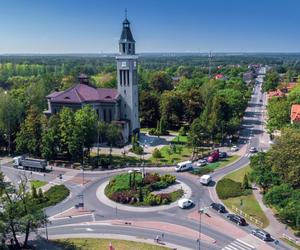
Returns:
point(168, 178)
point(227, 188)
point(56, 194)
point(156, 153)
point(151, 200)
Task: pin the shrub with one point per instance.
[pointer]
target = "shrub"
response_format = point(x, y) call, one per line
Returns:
point(227, 188)
point(183, 131)
point(168, 178)
point(202, 171)
point(159, 185)
point(156, 153)
point(245, 184)
point(279, 195)
point(151, 178)
point(151, 200)
point(56, 194)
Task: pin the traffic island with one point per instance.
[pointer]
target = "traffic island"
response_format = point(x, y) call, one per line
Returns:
point(133, 192)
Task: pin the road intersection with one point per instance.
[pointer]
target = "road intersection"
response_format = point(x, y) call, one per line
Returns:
point(181, 228)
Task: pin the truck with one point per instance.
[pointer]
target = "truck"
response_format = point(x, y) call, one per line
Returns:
point(31, 164)
point(205, 179)
point(214, 156)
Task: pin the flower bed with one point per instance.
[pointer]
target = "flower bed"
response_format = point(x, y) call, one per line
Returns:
point(133, 189)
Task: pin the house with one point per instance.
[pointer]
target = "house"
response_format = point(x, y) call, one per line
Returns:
point(295, 114)
point(112, 105)
point(275, 93)
point(287, 87)
point(219, 77)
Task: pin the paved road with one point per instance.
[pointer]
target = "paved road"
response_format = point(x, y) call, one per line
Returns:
point(250, 135)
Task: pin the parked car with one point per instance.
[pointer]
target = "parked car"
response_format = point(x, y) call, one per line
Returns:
point(263, 235)
point(200, 163)
point(253, 150)
point(218, 207)
point(184, 166)
point(223, 155)
point(237, 219)
point(185, 203)
point(234, 148)
point(214, 156)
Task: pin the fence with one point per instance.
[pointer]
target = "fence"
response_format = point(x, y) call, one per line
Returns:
point(248, 217)
point(295, 241)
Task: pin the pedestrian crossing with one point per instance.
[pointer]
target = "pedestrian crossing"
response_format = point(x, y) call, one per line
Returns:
point(238, 245)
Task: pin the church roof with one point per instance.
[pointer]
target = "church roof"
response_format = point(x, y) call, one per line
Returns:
point(126, 32)
point(82, 93)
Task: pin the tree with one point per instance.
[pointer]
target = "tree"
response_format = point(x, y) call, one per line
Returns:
point(197, 134)
point(113, 135)
point(66, 128)
point(50, 138)
point(21, 213)
point(245, 184)
point(149, 108)
point(278, 113)
point(271, 80)
point(171, 109)
point(29, 137)
point(161, 82)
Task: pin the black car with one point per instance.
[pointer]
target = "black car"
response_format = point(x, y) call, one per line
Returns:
point(218, 207)
point(222, 154)
point(237, 219)
point(259, 233)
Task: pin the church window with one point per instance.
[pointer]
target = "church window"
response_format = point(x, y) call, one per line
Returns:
point(123, 47)
point(110, 115)
point(104, 115)
point(127, 77)
point(120, 76)
point(124, 91)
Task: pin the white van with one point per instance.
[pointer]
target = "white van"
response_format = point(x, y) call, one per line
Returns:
point(183, 166)
point(205, 179)
point(185, 203)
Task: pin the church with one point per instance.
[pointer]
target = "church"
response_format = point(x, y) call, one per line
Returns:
point(121, 105)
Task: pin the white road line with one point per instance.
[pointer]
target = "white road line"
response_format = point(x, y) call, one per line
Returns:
point(243, 242)
point(234, 244)
point(244, 246)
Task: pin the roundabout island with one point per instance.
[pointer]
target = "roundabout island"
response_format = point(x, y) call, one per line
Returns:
point(135, 191)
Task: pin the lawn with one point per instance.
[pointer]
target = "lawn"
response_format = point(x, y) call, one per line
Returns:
point(250, 205)
point(37, 183)
point(96, 244)
point(239, 174)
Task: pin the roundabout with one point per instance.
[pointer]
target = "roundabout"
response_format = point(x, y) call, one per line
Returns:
point(178, 185)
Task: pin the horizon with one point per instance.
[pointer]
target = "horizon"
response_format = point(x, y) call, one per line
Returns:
point(94, 27)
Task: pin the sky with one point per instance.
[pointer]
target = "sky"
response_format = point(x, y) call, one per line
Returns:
point(94, 26)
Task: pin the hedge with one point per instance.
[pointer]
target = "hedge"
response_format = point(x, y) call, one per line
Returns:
point(56, 194)
point(227, 188)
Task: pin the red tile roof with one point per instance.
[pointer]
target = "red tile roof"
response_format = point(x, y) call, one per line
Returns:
point(277, 93)
point(219, 76)
point(295, 113)
point(81, 93)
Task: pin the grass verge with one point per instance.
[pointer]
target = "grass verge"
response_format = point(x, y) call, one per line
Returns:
point(290, 243)
point(96, 244)
point(247, 203)
point(37, 184)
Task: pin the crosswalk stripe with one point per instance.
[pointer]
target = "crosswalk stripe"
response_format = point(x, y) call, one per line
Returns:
point(252, 247)
point(243, 246)
point(234, 244)
point(232, 247)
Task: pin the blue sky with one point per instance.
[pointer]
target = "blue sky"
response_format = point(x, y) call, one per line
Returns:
point(93, 26)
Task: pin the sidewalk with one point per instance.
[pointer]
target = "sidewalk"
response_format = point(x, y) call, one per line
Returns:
point(275, 227)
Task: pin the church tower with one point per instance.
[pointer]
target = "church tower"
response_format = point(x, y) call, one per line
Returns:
point(127, 79)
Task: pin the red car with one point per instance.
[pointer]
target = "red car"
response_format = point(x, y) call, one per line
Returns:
point(214, 156)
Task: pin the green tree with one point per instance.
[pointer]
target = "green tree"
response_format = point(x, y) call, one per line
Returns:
point(149, 108)
point(271, 80)
point(29, 137)
point(161, 81)
point(245, 184)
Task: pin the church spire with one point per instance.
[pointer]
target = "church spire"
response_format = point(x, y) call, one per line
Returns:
point(126, 42)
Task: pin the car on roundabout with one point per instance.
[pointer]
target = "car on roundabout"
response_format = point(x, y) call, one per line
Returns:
point(200, 163)
point(185, 203)
point(137, 170)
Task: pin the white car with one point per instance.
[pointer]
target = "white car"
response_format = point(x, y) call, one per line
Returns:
point(200, 163)
point(184, 166)
point(253, 150)
point(137, 170)
point(234, 148)
point(185, 203)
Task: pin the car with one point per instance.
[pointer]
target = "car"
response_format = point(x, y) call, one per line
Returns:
point(137, 170)
point(218, 207)
point(223, 155)
point(184, 166)
point(234, 148)
point(237, 219)
point(200, 163)
point(185, 203)
point(262, 234)
point(253, 150)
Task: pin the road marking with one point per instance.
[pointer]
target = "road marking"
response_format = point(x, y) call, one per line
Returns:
point(238, 245)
